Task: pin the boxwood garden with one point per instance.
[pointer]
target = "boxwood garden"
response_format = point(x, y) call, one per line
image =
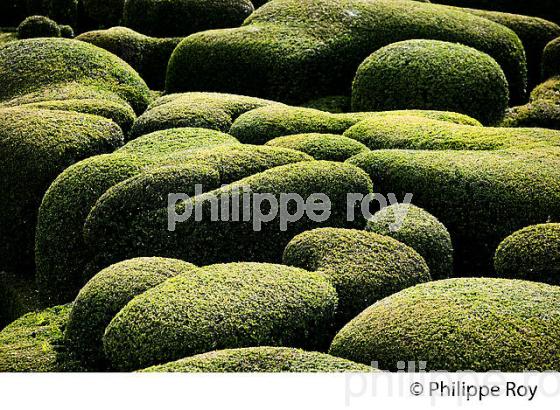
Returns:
point(449, 111)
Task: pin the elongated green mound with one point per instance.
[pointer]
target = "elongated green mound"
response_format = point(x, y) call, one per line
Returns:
point(431, 75)
point(327, 147)
point(104, 296)
point(147, 55)
point(35, 146)
point(61, 253)
point(220, 307)
point(261, 360)
point(38, 26)
point(459, 325)
point(551, 59)
point(363, 267)
point(28, 66)
point(532, 253)
point(421, 231)
point(207, 110)
point(33, 342)
point(183, 17)
point(402, 132)
point(298, 50)
point(481, 197)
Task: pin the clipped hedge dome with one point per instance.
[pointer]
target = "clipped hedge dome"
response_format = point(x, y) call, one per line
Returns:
point(419, 230)
point(551, 59)
point(174, 18)
point(431, 75)
point(261, 360)
point(362, 266)
point(532, 253)
point(327, 147)
point(220, 307)
point(38, 26)
point(459, 325)
point(104, 296)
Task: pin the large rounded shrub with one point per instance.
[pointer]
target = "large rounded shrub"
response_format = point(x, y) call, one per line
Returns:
point(431, 75)
point(532, 253)
point(261, 360)
point(419, 230)
point(551, 59)
point(174, 18)
point(220, 307)
point(38, 26)
point(362, 266)
point(459, 325)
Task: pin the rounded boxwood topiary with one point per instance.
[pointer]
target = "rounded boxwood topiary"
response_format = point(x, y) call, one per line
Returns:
point(173, 18)
point(261, 360)
point(432, 75)
point(219, 307)
point(362, 266)
point(473, 324)
point(66, 31)
point(38, 26)
point(328, 147)
point(104, 296)
point(532, 253)
point(551, 59)
point(419, 230)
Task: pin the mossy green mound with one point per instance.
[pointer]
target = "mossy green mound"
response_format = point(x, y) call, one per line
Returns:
point(421, 231)
point(551, 59)
point(363, 267)
point(183, 17)
point(431, 75)
point(295, 51)
point(261, 360)
point(33, 343)
point(35, 146)
point(481, 197)
point(532, 253)
point(147, 55)
point(459, 325)
point(104, 296)
point(38, 26)
point(327, 147)
point(220, 307)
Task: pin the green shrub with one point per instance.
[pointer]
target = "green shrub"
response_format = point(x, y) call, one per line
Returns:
point(480, 196)
point(402, 132)
point(551, 59)
point(295, 51)
point(431, 75)
point(104, 296)
point(66, 31)
point(336, 104)
point(363, 267)
point(205, 110)
point(261, 360)
point(473, 324)
point(419, 230)
point(38, 26)
point(35, 146)
point(18, 295)
point(147, 55)
point(104, 13)
point(532, 253)
point(221, 307)
point(33, 342)
point(183, 17)
point(327, 147)
point(61, 254)
point(28, 66)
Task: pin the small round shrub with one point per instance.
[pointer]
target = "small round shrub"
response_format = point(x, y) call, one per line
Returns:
point(221, 307)
point(327, 147)
point(473, 324)
point(66, 31)
point(261, 360)
point(179, 18)
point(551, 59)
point(419, 230)
point(38, 26)
point(104, 296)
point(362, 266)
point(532, 253)
point(432, 75)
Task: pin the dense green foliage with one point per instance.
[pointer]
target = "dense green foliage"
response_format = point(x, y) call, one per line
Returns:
point(456, 324)
point(38, 26)
point(328, 147)
point(551, 59)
